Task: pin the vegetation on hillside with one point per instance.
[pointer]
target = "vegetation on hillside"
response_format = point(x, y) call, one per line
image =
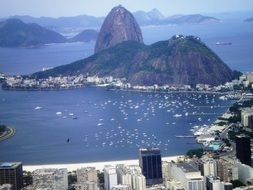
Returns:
point(179, 60)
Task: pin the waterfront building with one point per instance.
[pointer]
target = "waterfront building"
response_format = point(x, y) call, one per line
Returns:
point(245, 173)
point(247, 117)
point(123, 175)
point(87, 178)
point(249, 77)
point(56, 179)
point(243, 150)
point(188, 175)
point(12, 173)
point(131, 176)
point(165, 171)
point(139, 182)
point(151, 165)
point(110, 177)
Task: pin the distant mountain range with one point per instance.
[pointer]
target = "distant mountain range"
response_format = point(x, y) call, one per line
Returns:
point(153, 17)
point(15, 33)
point(85, 36)
point(179, 60)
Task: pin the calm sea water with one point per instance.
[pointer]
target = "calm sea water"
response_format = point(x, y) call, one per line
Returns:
point(110, 125)
point(101, 124)
point(238, 56)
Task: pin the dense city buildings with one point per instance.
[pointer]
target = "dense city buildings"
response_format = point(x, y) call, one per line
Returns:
point(151, 165)
point(56, 179)
point(12, 173)
point(243, 150)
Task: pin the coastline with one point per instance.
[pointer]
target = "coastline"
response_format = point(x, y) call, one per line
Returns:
point(98, 165)
point(8, 134)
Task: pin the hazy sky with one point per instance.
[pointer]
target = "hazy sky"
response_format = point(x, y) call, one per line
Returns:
point(56, 8)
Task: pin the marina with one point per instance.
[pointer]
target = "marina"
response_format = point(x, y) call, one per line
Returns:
point(114, 123)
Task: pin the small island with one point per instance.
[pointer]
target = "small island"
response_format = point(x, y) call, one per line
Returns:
point(6, 132)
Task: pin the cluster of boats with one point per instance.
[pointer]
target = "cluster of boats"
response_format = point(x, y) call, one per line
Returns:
point(124, 121)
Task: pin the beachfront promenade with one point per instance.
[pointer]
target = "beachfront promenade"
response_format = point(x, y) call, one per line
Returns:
point(97, 165)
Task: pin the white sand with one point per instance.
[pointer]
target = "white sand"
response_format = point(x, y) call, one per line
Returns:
point(97, 165)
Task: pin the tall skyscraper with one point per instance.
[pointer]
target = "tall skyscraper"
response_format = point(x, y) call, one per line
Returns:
point(151, 165)
point(243, 151)
point(12, 173)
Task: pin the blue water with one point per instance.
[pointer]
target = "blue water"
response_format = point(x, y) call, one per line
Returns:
point(110, 125)
point(30, 60)
point(238, 56)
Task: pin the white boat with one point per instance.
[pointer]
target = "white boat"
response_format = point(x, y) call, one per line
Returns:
point(99, 124)
point(58, 113)
point(177, 115)
point(38, 108)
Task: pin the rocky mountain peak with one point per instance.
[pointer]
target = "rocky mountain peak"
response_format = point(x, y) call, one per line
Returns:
point(119, 25)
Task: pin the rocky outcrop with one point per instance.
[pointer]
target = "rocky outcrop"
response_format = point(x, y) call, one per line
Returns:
point(119, 26)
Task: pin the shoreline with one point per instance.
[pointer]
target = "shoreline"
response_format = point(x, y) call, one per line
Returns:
point(8, 134)
point(98, 165)
point(120, 89)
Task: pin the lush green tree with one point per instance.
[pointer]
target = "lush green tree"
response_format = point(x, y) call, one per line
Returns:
point(226, 141)
point(236, 183)
point(72, 178)
point(195, 152)
point(27, 178)
point(101, 177)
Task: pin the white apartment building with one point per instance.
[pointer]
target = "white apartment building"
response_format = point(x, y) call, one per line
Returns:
point(131, 176)
point(110, 177)
point(209, 167)
point(188, 175)
point(245, 172)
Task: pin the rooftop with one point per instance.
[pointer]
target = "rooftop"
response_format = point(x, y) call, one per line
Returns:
point(188, 167)
point(9, 165)
point(149, 150)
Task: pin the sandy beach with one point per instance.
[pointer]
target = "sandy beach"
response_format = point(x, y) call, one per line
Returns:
point(97, 165)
